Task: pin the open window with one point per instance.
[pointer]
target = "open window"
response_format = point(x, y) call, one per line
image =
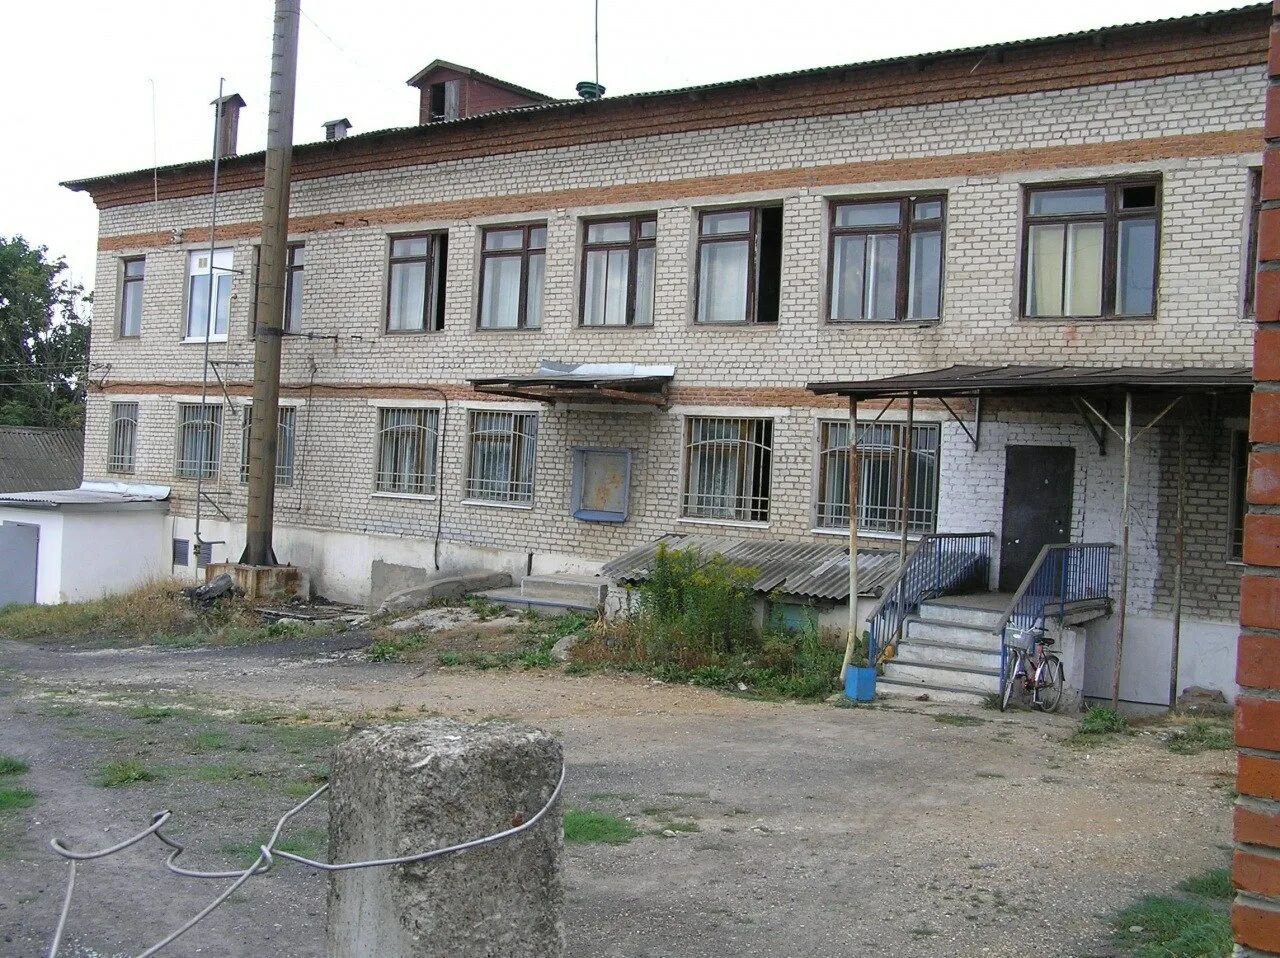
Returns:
point(739, 265)
point(416, 283)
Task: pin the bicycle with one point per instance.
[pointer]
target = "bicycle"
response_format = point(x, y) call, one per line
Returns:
point(1033, 669)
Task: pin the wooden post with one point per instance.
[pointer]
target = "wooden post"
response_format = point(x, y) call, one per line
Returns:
point(853, 540)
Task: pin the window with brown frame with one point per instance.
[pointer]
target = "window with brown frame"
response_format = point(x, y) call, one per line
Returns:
point(739, 265)
point(512, 263)
point(1238, 501)
point(295, 259)
point(886, 259)
point(618, 271)
point(135, 273)
point(1091, 251)
point(1251, 248)
point(415, 283)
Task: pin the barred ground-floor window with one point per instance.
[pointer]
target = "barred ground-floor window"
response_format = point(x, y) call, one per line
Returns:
point(285, 430)
point(199, 440)
point(500, 456)
point(728, 468)
point(407, 451)
point(123, 437)
point(880, 477)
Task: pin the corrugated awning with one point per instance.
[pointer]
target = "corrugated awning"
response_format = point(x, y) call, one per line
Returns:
point(94, 494)
point(615, 382)
point(1043, 380)
point(812, 570)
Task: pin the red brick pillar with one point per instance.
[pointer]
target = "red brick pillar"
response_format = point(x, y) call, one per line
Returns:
point(1256, 915)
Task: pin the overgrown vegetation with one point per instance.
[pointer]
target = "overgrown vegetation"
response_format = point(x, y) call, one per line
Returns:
point(12, 796)
point(156, 614)
point(1200, 735)
point(125, 772)
point(694, 622)
point(1193, 925)
point(583, 827)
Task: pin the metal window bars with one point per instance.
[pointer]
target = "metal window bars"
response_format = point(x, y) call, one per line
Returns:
point(728, 468)
point(407, 451)
point(501, 452)
point(880, 450)
point(285, 430)
point(122, 437)
point(199, 440)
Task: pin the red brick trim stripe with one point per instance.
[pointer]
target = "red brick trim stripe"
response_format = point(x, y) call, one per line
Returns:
point(1227, 143)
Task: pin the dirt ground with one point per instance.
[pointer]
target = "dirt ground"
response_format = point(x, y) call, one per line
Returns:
point(896, 829)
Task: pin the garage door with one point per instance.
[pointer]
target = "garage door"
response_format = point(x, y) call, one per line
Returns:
point(19, 546)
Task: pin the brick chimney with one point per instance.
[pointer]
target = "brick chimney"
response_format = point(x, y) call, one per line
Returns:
point(228, 114)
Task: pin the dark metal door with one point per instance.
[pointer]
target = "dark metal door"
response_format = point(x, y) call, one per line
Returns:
point(1038, 482)
point(19, 548)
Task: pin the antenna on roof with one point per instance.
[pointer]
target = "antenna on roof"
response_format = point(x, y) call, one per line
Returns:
point(591, 89)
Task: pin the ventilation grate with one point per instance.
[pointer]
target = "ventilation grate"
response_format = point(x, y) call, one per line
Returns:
point(181, 549)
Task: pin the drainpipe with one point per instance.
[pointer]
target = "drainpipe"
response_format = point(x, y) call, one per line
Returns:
point(1179, 560)
point(853, 542)
point(905, 471)
point(1124, 546)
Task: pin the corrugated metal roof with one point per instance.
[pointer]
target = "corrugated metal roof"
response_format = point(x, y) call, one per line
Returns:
point(1045, 380)
point(813, 570)
point(88, 494)
point(33, 458)
point(764, 79)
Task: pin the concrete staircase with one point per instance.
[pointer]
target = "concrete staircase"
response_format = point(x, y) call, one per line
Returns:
point(552, 594)
point(948, 651)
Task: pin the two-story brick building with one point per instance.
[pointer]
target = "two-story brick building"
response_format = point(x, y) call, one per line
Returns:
point(708, 253)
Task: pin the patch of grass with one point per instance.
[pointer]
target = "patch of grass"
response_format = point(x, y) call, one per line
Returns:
point(1102, 721)
point(957, 719)
point(1200, 735)
point(126, 772)
point(9, 765)
point(484, 609)
point(1214, 883)
point(586, 827)
point(13, 798)
point(207, 740)
point(225, 772)
point(305, 738)
point(300, 789)
point(395, 648)
point(1174, 928)
point(991, 701)
point(150, 713)
point(449, 659)
point(260, 716)
point(308, 842)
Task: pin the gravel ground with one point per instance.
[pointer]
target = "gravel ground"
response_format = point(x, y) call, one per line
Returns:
point(820, 830)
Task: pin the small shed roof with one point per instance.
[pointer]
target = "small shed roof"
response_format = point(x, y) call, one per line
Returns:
point(99, 495)
point(812, 570)
point(34, 458)
point(611, 381)
point(1043, 380)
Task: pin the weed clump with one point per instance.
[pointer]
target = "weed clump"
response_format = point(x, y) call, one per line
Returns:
point(1102, 721)
point(1200, 736)
point(586, 827)
point(127, 772)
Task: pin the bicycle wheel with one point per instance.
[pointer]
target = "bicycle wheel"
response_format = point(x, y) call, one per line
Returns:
point(1011, 678)
point(1049, 683)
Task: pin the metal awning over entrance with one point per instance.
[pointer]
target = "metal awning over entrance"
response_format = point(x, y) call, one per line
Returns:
point(564, 382)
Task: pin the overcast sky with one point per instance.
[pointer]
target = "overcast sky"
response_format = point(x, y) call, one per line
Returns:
point(79, 75)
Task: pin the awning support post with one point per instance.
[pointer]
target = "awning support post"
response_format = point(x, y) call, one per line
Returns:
point(853, 542)
point(904, 470)
point(1179, 559)
point(1124, 546)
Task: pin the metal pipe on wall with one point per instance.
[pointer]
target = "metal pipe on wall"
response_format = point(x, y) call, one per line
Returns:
point(1179, 563)
point(1124, 546)
point(904, 504)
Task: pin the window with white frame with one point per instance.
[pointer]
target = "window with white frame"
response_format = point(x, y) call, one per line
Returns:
point(880, 476)
point(294, 275)
point(123, 436)
point(201, 296)
point(500, 456)
point(131, 287)
point(407, 451)
point(728, 468)
point(285, 430)
point(199, 440)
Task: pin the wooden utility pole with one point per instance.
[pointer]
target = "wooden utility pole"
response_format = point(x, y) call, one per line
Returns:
point(269, 309)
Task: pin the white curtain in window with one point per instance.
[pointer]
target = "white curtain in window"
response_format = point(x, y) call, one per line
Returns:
point(606, 288)
point(500, 294)
point(533, 311)
point(408, 295)
point(722, 282)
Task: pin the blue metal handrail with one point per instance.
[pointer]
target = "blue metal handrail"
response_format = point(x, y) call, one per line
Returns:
point(1064, 577)
point(943, 563)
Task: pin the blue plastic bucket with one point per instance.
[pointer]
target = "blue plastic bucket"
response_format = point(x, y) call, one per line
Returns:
point(860, 684)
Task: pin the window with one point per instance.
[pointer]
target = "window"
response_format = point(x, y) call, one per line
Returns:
point(407, 451)
point(444, 101)
point(285, 430)
point(728, 466)
point(886, 259)
point(1238, 505)
point(123, 436)
point(618, 272)
point(1251, 247)
point(601, 484)
point(199, 440)
point(739, 265)
point(512, 261)
point(135, 272)
point(198, 293)
point(880, 448)
point(501, 448)
point(415, 283)
point(1091, 251)
point(295, 260)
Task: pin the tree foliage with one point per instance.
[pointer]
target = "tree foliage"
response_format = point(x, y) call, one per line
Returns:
point(44, 340)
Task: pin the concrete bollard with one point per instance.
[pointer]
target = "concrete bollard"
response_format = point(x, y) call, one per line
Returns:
point(401, 789)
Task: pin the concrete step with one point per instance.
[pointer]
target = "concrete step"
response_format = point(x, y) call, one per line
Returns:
point(920, 652)
point(514, 598)
point(981, 681)
point(937, 693)
point(582, 590)
point(951, 633)
point(953, 609)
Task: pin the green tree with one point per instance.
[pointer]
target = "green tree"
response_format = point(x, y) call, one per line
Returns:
point(44, 341)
